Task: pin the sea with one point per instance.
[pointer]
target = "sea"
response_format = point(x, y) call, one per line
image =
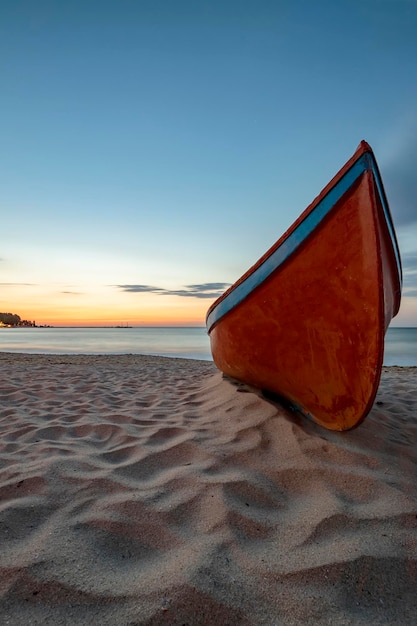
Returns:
point(188, 343)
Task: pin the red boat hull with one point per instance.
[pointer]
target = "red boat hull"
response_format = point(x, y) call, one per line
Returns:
point(313, 330)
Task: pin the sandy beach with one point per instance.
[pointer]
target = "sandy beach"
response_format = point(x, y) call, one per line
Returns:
point(149, 490)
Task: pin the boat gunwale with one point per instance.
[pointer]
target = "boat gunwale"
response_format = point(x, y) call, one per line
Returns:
point(363, 160)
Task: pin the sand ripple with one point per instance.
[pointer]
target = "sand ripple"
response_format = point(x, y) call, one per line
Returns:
point(143, 490)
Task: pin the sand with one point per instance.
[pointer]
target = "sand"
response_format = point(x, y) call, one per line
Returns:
point(147, 490)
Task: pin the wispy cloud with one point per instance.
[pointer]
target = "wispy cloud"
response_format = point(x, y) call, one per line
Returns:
point(409, 263)
point(202, 290)
point(401, 181)
point(17, 284)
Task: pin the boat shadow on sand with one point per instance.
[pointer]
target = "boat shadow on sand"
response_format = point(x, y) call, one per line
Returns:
point(390, 427)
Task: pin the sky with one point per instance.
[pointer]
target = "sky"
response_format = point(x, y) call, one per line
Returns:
point(153, 150)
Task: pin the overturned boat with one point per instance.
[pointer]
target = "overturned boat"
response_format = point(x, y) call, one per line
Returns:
point(307, 321)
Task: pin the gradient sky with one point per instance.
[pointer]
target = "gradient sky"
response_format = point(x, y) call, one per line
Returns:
point(151, 151)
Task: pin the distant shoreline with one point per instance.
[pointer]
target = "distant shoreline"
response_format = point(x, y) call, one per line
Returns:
point(146, 326)
point(79, 327)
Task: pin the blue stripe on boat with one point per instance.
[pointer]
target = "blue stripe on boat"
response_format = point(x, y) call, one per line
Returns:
point(304, 229)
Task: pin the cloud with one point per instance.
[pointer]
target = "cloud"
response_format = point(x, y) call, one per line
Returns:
point(409, 263)
point(202, 290)
point(400, 181)
point(140, 289)
point(17, 284)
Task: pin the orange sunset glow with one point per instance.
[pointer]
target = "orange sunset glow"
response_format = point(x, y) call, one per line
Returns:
point(144, 311)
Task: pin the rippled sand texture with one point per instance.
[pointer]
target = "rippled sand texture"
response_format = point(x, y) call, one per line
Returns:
point(143, 490)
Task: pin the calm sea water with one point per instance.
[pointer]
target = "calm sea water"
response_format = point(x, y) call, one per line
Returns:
point(190, 343)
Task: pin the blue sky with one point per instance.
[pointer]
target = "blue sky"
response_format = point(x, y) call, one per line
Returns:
point(153, 150)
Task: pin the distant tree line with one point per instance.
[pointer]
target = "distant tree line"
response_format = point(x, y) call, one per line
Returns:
point(12, 319)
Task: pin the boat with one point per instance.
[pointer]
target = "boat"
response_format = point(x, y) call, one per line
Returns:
point(307, 322)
